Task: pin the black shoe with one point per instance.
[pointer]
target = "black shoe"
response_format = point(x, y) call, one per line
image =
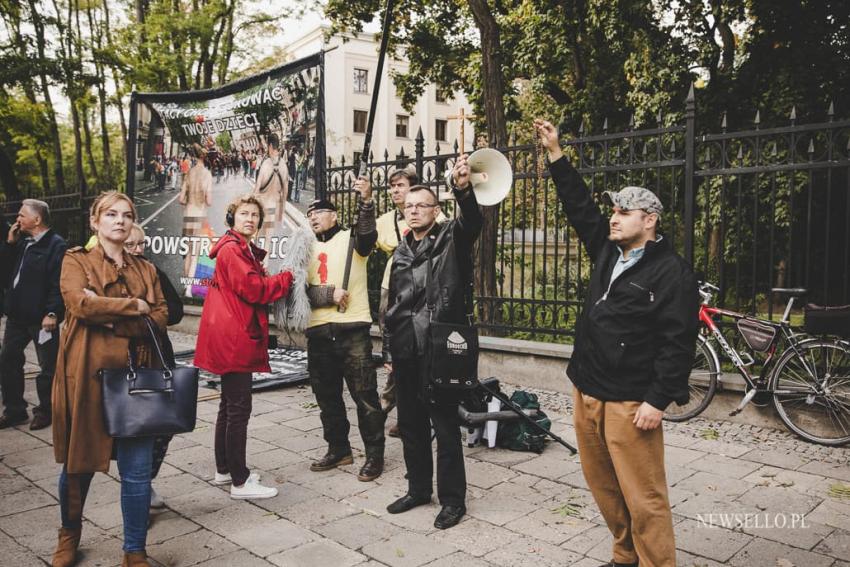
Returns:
point(408, 502)
point(372, 469)
point(449, 516)
point(615, 564)
point(7, 421)
point(331, 461)
point(40, 421)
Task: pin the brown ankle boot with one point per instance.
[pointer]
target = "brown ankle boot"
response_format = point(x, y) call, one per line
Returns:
point(66, 549)
point(135, 559)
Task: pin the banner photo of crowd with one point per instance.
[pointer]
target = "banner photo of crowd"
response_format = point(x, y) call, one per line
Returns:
point(194, 152)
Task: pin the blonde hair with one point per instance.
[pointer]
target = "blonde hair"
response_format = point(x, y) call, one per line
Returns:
point(140, 228)
point(106, 200)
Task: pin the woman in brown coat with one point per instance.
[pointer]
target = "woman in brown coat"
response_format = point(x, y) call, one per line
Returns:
point(107, 292)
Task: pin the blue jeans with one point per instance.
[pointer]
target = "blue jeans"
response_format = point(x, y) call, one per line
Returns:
point(134, 466)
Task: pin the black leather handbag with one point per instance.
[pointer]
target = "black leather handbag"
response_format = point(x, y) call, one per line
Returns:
point(452, 349)
point(144, 402)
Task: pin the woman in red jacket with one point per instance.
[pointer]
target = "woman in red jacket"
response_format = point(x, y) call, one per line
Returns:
point(233, 339)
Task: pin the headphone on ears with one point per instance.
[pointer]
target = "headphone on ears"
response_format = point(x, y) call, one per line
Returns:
point(230, 217)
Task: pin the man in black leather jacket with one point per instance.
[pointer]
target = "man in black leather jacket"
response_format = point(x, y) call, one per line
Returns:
point(449, 247)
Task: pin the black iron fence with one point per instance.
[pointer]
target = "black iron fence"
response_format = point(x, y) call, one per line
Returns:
point(751, 210)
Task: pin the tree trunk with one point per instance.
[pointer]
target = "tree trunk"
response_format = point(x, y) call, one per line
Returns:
point(101, 92)
point(494, 114)
point(226, 50)
point(87, 143)
point(66, 50)
point(8, 179)
point(116, 81)
point(20, 45)
point(58, 171)
point(209, 64)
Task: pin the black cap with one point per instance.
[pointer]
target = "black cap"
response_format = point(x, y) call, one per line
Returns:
point(321, 205)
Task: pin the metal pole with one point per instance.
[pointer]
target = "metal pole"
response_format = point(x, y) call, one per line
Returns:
point(367, 142)
point(690, 159)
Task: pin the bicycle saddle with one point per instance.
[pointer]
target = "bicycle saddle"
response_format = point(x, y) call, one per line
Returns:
point(792, 291)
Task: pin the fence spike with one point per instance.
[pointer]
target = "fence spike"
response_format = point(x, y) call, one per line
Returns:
point(773, 150)
point(831, 110)
point(419, 135)
point(740, 153)
point(632, 121)
point(401, 154)
point(707, 155)
point(342, 160)
point(330, 161)
point(456, 146)
point(757, 121)
point(387, 154)
point(513, 136)
point(811, 149)
point(581, 127)
point(673, 146)
point(644, 151)
point(793, 116)
point(437, 148)
point(605, 125)
point(659, 117)
point(723, 122)
point(691, 97)
point(371, 156)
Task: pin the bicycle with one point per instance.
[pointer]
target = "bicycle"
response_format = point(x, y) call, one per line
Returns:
point(809, 384)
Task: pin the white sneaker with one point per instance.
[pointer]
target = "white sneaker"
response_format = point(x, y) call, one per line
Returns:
point(252, 489)
point(156, 501)
point(222, 478)
point(225, 478)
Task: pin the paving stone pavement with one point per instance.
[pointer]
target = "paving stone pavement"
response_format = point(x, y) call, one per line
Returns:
point(736, 490)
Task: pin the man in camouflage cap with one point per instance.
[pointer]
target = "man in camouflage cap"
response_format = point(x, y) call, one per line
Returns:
point(632, 357)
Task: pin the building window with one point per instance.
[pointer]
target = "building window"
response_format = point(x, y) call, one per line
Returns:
point(442, 95)
point(440, 130)
point(361, 80)
point(401, 125)
point(360, 119)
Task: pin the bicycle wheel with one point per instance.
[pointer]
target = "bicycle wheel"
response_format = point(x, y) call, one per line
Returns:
point(811, 390)
point(702, 384)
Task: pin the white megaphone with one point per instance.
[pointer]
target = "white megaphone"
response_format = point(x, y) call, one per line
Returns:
point(491, 176)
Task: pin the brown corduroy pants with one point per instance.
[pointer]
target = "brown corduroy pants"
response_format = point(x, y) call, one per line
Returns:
point(624, 468)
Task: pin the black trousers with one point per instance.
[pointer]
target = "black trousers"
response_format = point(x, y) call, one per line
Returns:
point(332, 358)
point(231, 426)
point(415, 419)
point(12, 360)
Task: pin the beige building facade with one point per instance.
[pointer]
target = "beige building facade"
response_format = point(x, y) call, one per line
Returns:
point(350, 68)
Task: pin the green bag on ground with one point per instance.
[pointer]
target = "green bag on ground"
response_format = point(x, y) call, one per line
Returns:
point(518, 434)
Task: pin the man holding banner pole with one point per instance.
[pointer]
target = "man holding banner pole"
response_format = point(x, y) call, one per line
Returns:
point(339, 346)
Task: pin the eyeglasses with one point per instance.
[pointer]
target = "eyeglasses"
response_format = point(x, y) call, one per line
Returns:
point(418, 206)
point(132, 244)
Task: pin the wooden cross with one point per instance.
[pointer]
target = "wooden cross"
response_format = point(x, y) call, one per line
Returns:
point(463, 117)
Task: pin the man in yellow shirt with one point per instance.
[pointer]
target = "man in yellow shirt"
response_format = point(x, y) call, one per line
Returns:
point(339, 346)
